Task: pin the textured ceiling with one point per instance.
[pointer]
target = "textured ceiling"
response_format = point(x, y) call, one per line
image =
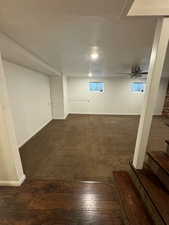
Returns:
point(62, 33)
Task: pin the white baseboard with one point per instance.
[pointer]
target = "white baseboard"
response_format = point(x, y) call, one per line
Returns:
point(12, 183)
point(34, 133)
point(66, 116)
point(61, 118)
point(112, 114)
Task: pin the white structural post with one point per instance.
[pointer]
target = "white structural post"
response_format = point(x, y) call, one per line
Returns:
point(58, 90)
point(155, 71)
point(11, 172)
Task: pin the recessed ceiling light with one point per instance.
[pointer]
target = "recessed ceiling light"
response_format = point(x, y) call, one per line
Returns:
point(90, 75)
point(94, 56)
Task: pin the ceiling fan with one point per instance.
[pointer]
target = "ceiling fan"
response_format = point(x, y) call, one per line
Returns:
point(136, 72)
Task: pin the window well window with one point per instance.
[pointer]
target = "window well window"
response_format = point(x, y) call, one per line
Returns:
point(96, 86)
point(138, 87)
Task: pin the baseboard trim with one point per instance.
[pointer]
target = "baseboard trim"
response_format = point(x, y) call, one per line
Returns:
point(66, 115)
point(35, 133)
point(16, 183)
point(111, 114)
point(61, 118)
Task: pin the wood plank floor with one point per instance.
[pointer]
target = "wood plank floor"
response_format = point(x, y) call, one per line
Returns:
point(79, 148)
point(86, 147)
point(43, 202)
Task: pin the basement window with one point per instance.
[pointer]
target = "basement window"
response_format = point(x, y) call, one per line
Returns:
point(138, 87)
point(96, 86)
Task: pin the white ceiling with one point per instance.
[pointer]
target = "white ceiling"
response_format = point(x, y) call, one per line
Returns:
point(63, 32)
point(13, 52)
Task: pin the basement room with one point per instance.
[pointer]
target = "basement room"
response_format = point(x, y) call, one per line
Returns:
point(84, 112)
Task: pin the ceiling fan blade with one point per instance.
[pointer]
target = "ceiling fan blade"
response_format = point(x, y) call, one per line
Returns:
point(133, 75)
point(124, 73)
point(144, 72)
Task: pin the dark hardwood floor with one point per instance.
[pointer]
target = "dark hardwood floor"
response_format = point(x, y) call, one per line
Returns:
point(86, 147)
point(43, 202)
point(69, 167)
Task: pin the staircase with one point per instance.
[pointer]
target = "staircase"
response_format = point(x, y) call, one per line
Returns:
point(144, 194)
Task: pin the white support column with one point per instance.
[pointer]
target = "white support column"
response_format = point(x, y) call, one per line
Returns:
point(155, 71)
point(11, 172)
point(58, 89)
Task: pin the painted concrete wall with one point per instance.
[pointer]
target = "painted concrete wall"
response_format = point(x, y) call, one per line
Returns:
point(29, 96)
point(116, 99)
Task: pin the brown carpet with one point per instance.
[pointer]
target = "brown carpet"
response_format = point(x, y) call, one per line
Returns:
point(86, 147)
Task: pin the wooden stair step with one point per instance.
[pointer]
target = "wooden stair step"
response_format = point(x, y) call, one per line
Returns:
point(155, 192)
point(132, 206)
point(158, 162)
point(161, 158)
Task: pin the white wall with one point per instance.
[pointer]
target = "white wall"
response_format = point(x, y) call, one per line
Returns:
point(29, 95)
point(116, 99)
